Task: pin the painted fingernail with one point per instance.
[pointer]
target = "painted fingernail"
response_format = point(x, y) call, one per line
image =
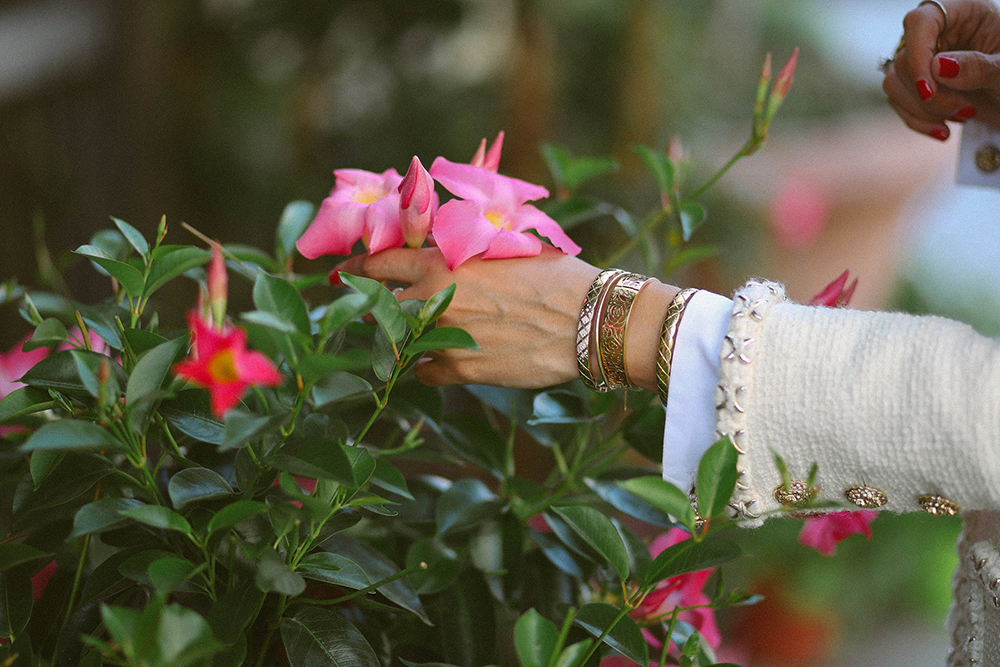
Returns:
point(949, 67)
point(965, 113)
point(924, 90)
point(939, 134)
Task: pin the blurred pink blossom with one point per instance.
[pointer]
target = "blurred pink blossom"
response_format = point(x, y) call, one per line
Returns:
point(417, 203)
point(799, 212)
point(362, 205)
point(491, 216)
point(489, 159)
point(835, 293)
point(823, 533)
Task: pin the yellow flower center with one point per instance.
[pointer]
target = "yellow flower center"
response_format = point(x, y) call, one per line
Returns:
point(222, 368)
point(498, 219)
point(367, 196)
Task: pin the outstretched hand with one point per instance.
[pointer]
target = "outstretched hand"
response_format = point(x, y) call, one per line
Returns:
point(942, 74)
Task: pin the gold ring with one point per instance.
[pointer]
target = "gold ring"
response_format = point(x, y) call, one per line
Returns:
point(943, 11)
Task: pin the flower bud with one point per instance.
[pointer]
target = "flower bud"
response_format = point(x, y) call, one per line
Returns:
point(763, 81)
point(416, 203)
point(218, 286)
point(781, 85)
point(489, 159)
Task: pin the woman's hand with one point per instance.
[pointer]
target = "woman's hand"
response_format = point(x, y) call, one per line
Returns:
point(952, 74)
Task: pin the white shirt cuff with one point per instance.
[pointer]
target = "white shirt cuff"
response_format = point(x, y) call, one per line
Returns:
point(690, 425)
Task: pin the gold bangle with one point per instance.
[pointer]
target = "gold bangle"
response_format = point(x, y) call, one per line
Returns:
point(585, 326)
point(668, 336)
point(612, 328)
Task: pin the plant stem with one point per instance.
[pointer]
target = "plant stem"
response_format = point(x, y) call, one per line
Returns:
point(670, 634)
point(563, 633)
point(719, 174)
point(381, 403)
point(266, 646)
point(621, 614)
point(654, 221)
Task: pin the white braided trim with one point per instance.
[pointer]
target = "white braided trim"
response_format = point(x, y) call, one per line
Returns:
point(751, 305)
point(965, 618)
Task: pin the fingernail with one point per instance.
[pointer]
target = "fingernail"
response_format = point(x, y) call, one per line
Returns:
point(939, 134)
point(949, 67)
point(924, 90)
point(966, 113)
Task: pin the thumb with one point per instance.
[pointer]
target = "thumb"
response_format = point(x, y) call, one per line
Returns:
point(967, 70)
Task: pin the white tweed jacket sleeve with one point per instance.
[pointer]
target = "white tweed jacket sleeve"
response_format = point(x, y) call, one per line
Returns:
point(900, 412)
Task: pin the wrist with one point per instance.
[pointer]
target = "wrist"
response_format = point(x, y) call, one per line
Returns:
point(643, 335)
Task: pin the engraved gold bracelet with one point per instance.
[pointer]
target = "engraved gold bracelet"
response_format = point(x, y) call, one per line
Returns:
point(668, 336)
point(612, 327)
point(584, 328)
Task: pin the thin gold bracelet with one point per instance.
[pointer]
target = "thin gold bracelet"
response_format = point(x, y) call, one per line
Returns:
point(668, 336)
point(585, 327)
point(613, 326)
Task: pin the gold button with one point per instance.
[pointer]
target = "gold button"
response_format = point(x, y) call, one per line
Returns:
point(795, 495)
point(939, 505)
point(866, 496)
point(988, 158)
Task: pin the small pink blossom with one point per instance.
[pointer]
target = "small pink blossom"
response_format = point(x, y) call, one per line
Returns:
point(362, 205)
point(218, 286)
point(799, 212)
point(15, 363)
point(783, 82)
point(417, 203)
point(489, 159)
point(491, 217)
point(823, 533)
point(835, 294)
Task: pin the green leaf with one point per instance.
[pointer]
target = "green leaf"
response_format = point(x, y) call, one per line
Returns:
point(362, 465)
point(334, 387)
point(630, 504)
point(573, 654)
point(29, 311)
point(49, 333)
point(234, 514)
point(59, 371)
point(442, 565)
point(195, 485)
point(24, 401)
point(689, 255)
point(442, 338)
point(127, 275)
point(316, 458)
point(346, 309)
point(597, 531)
point(120, 624)
point(625, 637)
point(659, 165)
point(315, 637)
point(278, 296)
point(436, 305)
point(466, 503)
point(169, 573)
point(572, 211)
point(691, 556)
point(172, 261)
point(158, 516)
point(87, 376)
point(294, 220)
point(386, 310)
point(558, 406)
point(274, 576)
point(235, 610)
point(692, 215)
point(270, 321)
point(133, 236)
point(383, 355)
point(385, 476)
point(146, 379)
point(334, 569)
point(43, 463)
point(664, 496)
point(102, 514)
point(466, 616)
point(571, 172)
point(241, 426)
point(13, 554)
point(716, 478)
point(191, 413)
point(314, 367)
point(72, 434)
point(184, 637)
point(16, 601)
point(535, 639)
point(557, 554)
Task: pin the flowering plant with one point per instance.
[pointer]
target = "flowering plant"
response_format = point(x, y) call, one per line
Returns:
point(272, 486)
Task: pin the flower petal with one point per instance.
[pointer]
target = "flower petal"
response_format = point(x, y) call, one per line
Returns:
point(337, 227)
point(255, 368)
point(513, 244)
point(224, 397)
point(461, 231)
point(470, 182)
point(382, 222)
point(529, 217)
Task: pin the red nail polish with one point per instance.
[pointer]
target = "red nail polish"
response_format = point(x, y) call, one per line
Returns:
point(949, 67)
point(939, 134)
point(924, 90)
point(966, 113)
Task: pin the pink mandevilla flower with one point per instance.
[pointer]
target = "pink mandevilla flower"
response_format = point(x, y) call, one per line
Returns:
point(362, 205)
point(684, 590)
point(491, 217)
point(221, 362)
point(417, 203)
point(823, 533)
point(835, 293)
point(489, 159)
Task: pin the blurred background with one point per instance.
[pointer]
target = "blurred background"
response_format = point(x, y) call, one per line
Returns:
point(218, 112)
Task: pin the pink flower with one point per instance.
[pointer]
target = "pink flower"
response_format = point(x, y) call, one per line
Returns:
point(823, 533)
point(834, 294)
point(221, 363)
point(15, 363)
point(362, 205)
point(489, 159)
point(684, 590)
point(417, 203)
point(491, 217)
point(799, 212)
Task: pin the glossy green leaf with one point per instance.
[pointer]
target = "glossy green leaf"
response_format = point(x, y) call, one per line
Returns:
point(692, 216)
point(573, 654)
point(571, 172)
point(158, 516)
point(625, 637)
point(270, 321)
point(345, 309)
point(662, 495)
point(597, 531)
point(334, 387)
point(191, 413)
point(466, 503)
point(167, 574)
point(334, 569)
point(241, 426)
point(13, 554)
point(557, 554)
point(196, 484)
point(535, 639)
point(43, 462)
point(558, 406)
point(386, 309)
point(442, 565)
point(235, 610)
point(49, 333)
point(274, 576)
point(435, 306)
point(127, 275)
point(384, 355)
point(59, 371)
point(132, 235)
point(72, 434)
point(120, 624)
point(716, 478)
point(691, 556)
point(87, 377)
point(146, 379)
point(234, 514)
point(184, 638)
point(630, 504)
point(172, 261)
point(24, 401)
point(314, 367)
point(466, 616)
point(100, 318)
point(294, 220)
point(316, 637)
point(362, 465)
point(16, 601)
point(442, 338)
point(659, 165)
point(385, 476)
point(278, 296)
point(316, 458)
point(102, 514)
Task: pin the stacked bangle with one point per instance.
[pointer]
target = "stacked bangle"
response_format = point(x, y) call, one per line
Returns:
point(584, 328)
point(668, 336)
point(613, 326)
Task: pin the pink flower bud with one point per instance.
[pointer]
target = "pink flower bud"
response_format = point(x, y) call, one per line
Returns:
point(218, 285)
point(763, 81)
point(489, 159)
point(784, 80)
point(417, 203)
point(834, 294)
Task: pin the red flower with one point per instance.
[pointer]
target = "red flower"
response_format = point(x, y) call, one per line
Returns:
point(823, 533)
point(221, 363)
point(834, 294)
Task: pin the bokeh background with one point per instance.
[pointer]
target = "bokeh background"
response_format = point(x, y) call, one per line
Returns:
point(218, 112)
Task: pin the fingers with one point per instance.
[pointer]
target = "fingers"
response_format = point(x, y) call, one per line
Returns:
point(399, 265)
point(921, 28)
point(967, 70)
